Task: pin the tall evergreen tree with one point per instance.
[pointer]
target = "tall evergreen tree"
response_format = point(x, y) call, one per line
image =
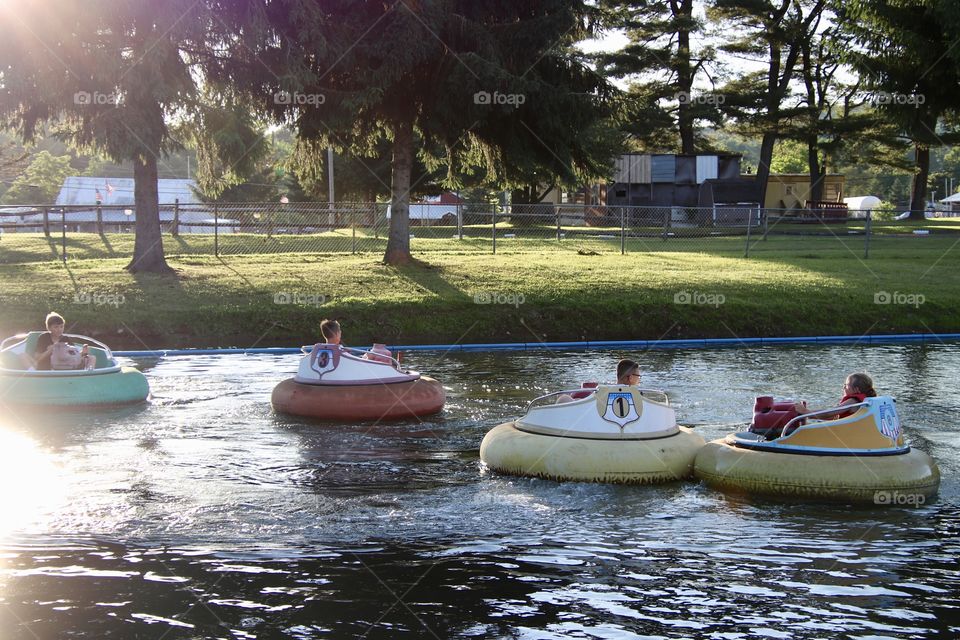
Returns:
point(771, 32)
point(487, 82)
point(664, 59)
point(907, 55)
point(105, 74)
point(831, 112)
point(111, 77)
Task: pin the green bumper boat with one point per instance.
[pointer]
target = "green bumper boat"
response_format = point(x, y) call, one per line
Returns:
point(107, 384)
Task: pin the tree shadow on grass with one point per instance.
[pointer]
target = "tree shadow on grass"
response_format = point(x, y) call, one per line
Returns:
point(182, 245)
point(108, 245)
point(246, 280)
point(428, 277)
point(23, 254)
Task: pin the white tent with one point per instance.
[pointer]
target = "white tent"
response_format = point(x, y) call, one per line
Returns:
point(952, 202)
point(859, 205)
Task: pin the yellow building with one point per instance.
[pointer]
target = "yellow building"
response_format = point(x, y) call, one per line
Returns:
point(791, 191)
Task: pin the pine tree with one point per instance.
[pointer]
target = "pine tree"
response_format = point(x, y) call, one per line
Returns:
point(772, 32)
point(665, 60)
point(105, 75)
point(907, 55)
point(489, 83)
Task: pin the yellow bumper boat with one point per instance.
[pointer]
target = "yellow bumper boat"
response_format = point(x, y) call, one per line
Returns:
point(605, 434)
point(857, 457)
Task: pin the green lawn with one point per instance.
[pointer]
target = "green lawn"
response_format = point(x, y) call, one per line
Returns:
point(537, 289)
point(784, 238)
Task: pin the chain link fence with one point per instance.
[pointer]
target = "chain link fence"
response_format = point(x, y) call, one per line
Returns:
point(64, 233)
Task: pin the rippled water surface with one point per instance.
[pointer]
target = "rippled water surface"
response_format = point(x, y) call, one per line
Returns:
point(204, 515)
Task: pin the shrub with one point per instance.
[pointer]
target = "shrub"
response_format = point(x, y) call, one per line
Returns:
point(884, 212)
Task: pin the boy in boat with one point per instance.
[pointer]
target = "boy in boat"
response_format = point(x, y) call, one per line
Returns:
point(53, 351)
point(331, 333)
point(628, 372)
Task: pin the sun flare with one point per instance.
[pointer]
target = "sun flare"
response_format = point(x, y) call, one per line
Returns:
point(30, 483)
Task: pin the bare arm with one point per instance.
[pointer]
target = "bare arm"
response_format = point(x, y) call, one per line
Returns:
point(802, 409)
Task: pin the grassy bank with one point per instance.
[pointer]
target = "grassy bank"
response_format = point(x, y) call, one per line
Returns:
point(789, 286)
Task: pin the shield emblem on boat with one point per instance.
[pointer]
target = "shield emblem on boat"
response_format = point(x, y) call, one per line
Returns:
point(326, 360)
point(888, 422)
point(619, 405)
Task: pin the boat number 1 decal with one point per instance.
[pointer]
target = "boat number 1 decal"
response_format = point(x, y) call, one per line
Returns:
point(889, 422)
point(620, 409)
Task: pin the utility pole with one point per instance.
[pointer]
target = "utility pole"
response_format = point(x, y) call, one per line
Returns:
point(331, 217)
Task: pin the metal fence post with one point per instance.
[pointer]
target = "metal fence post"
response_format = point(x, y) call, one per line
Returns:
point(175, 228)
point(63, 234)
point(558, 225)
point(765, 217)
point(667, 215)
point(459, 219)
point(216, 229)
point(868, 228)
point(353, 226)
point(623, 233)
point(99, 218)
point(46, 222)
point(746, 249)
point(495, 228)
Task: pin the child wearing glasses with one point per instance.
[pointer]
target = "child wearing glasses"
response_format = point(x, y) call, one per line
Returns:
point(628, 372)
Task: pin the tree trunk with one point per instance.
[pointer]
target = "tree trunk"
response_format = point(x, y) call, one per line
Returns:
point(763, 166)
point(685, 78)
point(813, 122)
point(817, 174)
point(918, 197)
point(148, 244)
point(398, 240)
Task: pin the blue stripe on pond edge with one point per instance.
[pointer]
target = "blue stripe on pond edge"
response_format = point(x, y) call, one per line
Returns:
point(604, 344)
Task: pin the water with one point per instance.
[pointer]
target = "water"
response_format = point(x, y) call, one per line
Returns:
point(204, 515)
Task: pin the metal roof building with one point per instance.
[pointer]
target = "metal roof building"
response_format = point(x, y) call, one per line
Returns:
point(87, 190)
